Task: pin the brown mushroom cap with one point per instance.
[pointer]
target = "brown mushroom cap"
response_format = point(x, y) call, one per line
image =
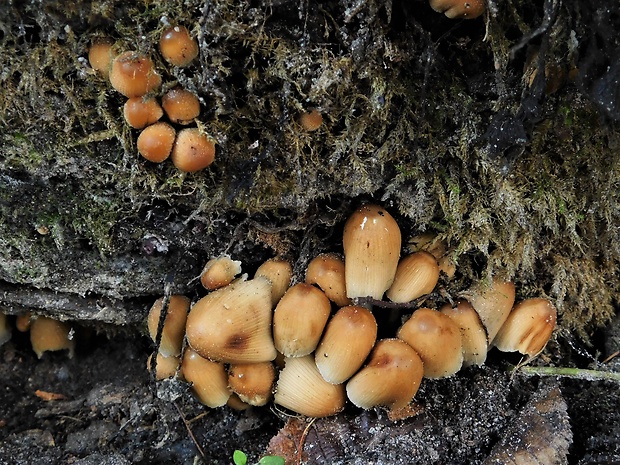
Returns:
point(528, 327)
point(180, 105)
point(165, 367)
point(474, 336)
point(311, 120)
point(371, 243)
point(390, 379)
point(155, 142)
point(233, 324)
point(437, 339)
point(49, 335)
point(134, 75)
point(302, 389)
point(192, 150)
point(327, 271)
point(299, 320)
point(177, 46)
point(492, 303)
point(467, 9)
point(349, 337)
point(174, 325)
point(219, 272)
point(209, 379)
point(417, 274)
point(279, 273)
point(100, 55)
point(252, 382)
point(140, 113)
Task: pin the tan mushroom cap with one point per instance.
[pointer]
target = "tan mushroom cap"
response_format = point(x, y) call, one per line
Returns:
point(466, 9)
point(302, 389)
point(192, 150)
point(327, 271)
point(209, 379)
point(390, 379)
point(174, 325)
point(177, 46)
point(140, 112)
point(155, 142)
point(233, 324)
point(219, 272)
point(49, 335)
point(279, 272)
point(417, 275)
point(437, 339)
point(100, 55)
point(349, 337)
point(474, 336)
point(299, 320)
point(252, 382)
point(134, 75)
point(180, 105)
point(528, 327)
point(492, 303)
point(311, 120)
point(165, 367)
point(371, 243)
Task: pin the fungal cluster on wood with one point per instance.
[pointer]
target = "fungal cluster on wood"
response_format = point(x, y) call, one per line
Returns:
point(313, 345)
point(134, 75)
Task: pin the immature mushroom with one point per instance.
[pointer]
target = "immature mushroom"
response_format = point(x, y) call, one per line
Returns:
point(180, 105)
point(100, 55)
point(134, 75)
point(302, 389)
point(492, 303)
point(252, 382)
point(23, 321)
point(327, 271)
point(279, 273)
point(155, 142)
point(219, 272)
point(311, 120)
point(209, 379)
point(349, 337)
point(192, 150)
point(299, 320)
point(467, 9)
point(233, 324)
point(174, 324)
point(528, 327)
point(390, 379)
point(140, 113)
point(48, 335)
point(177, 46)
point(437, 339)
point(165, 367)
point(474, 336)
point(417, 275)
point(371, 243)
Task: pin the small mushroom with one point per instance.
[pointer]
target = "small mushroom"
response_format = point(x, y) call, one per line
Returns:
point(311, 120)
point(177, 46)
point(23, 321)
point(134, 75)
point(528, 327)
point(233, 324)
point(174, 324)
point(327, 271)
point(252, 382)
point(155, 142)
point(437, 339)
point(467, 9)
point(474, 336)
point(492, 303)
point(180, 105)
point(302, 389)
point(417, 274)
point(349, 337)
point(100, 55)
point(49, 335)
point(165, 367)
point(192, 150)
point(279, 272)
point(209, 379)
point(219, 272)
point(140, 113)
point(299, 320)
point(390, 379)
point(371, 249)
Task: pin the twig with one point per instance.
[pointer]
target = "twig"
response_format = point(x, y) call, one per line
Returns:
point(575, 373)
point(302, 440)
point(189, 430)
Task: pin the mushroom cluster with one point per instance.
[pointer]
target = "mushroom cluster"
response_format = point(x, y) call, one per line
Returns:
point(46, 334)
point(134, 75)
point(312, 345)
